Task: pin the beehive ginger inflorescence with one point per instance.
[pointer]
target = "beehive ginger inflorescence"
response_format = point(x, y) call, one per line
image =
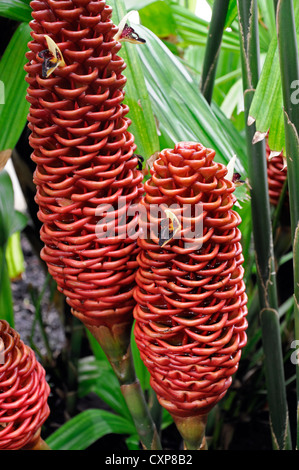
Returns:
point(191, 301)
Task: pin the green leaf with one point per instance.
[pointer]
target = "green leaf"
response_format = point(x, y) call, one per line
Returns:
point(233, 100)
point(181, 111)
point(84, 429)
point(231, 14)
point(133, 442)
point(137, 4)
point(13, 113)
point(11, 221)
point(267, 16)
point(6, 300)
point(267, 105)
point(141, 371)
point(98, 377)
point(194, 30)
point(158, 18)
point(143, 124)
point(18, 10)
point(14, 256)
point(96, 348)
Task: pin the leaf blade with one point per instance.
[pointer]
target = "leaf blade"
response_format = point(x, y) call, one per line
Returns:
point(17, 10)
point(143, 125)
point(86, 428)
point(14, 111)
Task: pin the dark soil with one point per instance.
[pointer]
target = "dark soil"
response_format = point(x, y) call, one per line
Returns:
point(32, 283)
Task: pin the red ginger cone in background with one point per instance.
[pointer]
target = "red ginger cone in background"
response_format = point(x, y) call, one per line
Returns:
point(191, 302)
point(277, 174)
point(85, 159)
point(277, 177)
point(23, 393)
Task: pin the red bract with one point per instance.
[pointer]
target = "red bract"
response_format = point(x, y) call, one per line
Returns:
point(277, 174)
point(84, 155)
point(191, 301)
point(23, 392)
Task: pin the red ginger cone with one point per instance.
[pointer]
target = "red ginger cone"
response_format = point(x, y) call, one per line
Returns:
point(23, 393)
point(277, 174)
point(191, 303)
point(85, 160)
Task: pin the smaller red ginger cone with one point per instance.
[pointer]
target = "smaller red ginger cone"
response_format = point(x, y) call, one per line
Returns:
point(23, 394)
point(277, 174)
point(191, 301)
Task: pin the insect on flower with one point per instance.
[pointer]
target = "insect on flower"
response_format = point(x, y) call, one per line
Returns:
point(126, 33)
point(129, 35)
point(52, 57)
point(237, 179)
point(140, 161)
point(170, 226)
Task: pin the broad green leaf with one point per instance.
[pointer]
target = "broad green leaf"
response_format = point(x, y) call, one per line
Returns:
point(170, 18)
point(143, 124)
point(98, 377)
point(233, 100)
point(13, 113)
point(96, 348)
point(194, 30)
point(181, 111)
point(235, 138)
point(232, 13)
point(133, 442)
point(18, 10)
point(158, 18)
point(84, 429)
point(267, 106)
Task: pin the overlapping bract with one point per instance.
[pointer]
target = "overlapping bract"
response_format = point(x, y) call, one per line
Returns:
point(85, 158)
point(23, 392)
point(191, 303)
point(277, 174)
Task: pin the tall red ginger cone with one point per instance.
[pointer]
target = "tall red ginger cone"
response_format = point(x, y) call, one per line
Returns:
point(87, 176)
point(86, 165)
point(191, 301)
point(23, 394)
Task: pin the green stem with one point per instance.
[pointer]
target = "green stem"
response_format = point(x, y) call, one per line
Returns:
point(262, 233)
point(192, 430)
point(155, 409)
point(135, 400)
point(115, 342)
point(213, 46)
point(289, 65)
